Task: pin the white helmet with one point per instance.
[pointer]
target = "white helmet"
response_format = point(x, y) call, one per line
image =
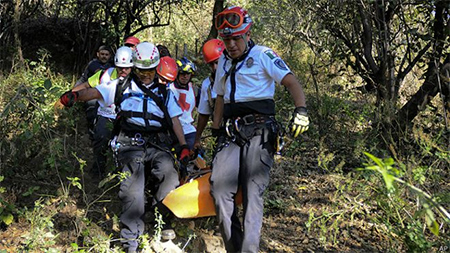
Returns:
point(124, 57)
point(146, 56)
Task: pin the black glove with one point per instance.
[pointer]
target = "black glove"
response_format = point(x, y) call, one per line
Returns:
point(69, 98)
point(216, 132)
point(299, 122)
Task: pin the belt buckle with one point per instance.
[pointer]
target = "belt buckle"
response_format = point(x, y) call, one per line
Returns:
point(249, 119)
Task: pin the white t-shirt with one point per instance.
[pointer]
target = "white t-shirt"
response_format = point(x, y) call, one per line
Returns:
point(136, 101)
point(186, 100)
point(255, 77)
point(205, 106)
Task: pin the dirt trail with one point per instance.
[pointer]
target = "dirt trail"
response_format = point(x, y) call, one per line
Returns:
point(297, 191)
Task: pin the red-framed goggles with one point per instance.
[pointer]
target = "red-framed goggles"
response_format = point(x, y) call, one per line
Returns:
point(229, 18)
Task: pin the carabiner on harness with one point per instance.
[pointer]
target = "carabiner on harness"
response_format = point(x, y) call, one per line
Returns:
point(229, 129)
point(236, 124)
point(137, 140)
point(280, 144)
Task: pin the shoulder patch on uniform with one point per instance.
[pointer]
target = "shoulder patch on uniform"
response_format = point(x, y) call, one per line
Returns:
point(280, 64)
point(272, 55)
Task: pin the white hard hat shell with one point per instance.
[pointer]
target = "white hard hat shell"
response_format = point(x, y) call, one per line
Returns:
point(124, 57)
point(146, 56)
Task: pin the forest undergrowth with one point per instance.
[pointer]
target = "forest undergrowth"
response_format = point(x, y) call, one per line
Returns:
point(342, 186)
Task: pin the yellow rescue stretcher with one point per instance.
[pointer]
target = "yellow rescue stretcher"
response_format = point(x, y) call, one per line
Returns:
point(193, 199)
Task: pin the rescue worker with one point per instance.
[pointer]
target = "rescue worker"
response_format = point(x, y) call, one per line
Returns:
point(211, 51)
point(131, 42)
point(147, 111)
point(245, 85)
point(163, 51)
point(123, 61)
point(102, 62)
point(109, 73)
point(183, 89)
point(167, 70)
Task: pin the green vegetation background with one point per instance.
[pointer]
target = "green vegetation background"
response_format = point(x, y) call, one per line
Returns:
point(401, 188)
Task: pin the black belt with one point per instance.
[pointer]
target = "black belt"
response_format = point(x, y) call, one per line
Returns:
point(141, 133)
point(241, 129)
point(253, 119)
point(138, 139)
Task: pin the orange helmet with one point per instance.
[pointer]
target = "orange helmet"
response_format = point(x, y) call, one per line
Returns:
point(212, 50)
point(167, 68)
point(132, 41)
point(233, 21)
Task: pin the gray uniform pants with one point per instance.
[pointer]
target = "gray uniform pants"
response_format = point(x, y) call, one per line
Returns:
point(141, 162)
point(247, 167)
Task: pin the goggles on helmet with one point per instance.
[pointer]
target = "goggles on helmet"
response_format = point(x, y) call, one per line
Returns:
point(186, 66)
point(187, 70)
point(229, 18)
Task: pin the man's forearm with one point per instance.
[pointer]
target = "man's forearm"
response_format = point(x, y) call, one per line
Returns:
point(218, 112)
point(89, 94)
point(201, 124)
point(178, 129)
point(81, 86)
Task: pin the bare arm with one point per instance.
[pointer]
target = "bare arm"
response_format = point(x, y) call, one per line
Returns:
point(295, 89)
point(178, 129)
point(218, 112)
point(201, 124)
point(89, 94)
point(81, 86)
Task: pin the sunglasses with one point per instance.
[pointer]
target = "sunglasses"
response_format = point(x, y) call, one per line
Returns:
point(145, 71)
point(229, 18)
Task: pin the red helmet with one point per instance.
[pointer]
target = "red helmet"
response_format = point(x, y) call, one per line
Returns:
point(212, 50)
point(167, 68)
point(132, 41)
point(233, 21)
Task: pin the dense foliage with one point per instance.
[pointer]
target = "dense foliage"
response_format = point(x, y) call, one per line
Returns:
point(354, 172)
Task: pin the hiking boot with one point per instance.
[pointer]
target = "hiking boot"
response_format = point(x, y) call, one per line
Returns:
point(168, 234)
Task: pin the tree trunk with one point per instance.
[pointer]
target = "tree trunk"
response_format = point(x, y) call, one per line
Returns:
point(218, 7)
point(18, 43)
point(430, 86)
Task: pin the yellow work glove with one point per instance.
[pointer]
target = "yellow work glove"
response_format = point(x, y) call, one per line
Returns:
point(299, 122)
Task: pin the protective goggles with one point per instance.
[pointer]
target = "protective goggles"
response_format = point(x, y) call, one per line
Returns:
point(186, 70)
point(229, 18)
